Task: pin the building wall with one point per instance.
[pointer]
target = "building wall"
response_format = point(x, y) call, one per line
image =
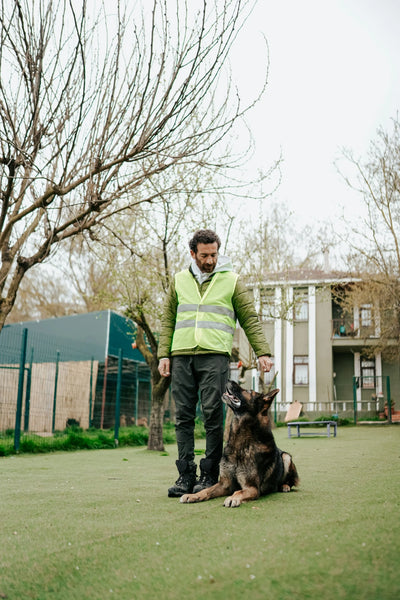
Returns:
point(343, 367)
point(290, 337)
point(392, 370)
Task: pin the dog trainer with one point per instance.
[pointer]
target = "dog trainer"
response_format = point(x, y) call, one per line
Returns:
point(195, 344)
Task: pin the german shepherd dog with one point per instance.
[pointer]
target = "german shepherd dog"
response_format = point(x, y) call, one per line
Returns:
point(252, 465)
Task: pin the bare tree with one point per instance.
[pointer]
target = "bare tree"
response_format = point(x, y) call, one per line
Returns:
point(374, 239)
point(272, 245)
point(93, 106)
point(43, 295)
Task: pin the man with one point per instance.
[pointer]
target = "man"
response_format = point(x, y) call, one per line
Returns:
point(195, 343)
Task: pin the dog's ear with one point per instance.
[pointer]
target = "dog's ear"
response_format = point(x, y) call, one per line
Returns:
point(268, 398)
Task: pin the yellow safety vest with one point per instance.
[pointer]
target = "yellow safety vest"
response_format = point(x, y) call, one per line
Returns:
point(206, 321)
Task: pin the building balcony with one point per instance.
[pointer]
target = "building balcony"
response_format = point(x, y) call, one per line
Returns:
point(347, 332)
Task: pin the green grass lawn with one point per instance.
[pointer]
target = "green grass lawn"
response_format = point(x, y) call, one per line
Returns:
point(98, 524)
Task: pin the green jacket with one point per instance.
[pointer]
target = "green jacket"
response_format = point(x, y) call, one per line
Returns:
point(245, 312)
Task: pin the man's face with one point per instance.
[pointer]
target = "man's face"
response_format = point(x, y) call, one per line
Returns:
point(206, 257)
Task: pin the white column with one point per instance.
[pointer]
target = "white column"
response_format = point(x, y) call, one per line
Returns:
point(278, 339)
point(289, 350)
point(312, 341)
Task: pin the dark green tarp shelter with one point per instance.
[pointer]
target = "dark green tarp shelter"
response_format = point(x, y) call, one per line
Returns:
point(76, 337)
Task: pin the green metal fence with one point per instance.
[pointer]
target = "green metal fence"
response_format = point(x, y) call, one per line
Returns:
point(47, 386)
point(372, 391)
point(367, 398)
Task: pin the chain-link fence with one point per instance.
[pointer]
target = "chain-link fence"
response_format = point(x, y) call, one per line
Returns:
point(47, 386)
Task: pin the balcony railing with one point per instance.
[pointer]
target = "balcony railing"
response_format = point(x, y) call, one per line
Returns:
point(346, 328)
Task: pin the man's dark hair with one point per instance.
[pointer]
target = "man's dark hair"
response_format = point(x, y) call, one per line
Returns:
point(204, 236)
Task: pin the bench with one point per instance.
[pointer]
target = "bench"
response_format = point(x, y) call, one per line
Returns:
point(299, 424)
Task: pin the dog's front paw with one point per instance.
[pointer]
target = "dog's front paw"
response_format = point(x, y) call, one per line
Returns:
point(232, 502)
point(189, 498)
point(285, 488)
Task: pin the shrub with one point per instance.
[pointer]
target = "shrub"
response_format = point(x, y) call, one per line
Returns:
point(6, 450)
point(30, 445)
point(73, 429)
point(134, 436)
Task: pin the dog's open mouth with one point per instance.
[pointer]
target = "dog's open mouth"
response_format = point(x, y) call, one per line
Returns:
point(231, 400)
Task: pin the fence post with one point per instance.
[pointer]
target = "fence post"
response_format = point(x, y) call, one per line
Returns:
point(355, 379)
point(389, 400)
point(118, 398)
point(136, 393)
point(103, 398)
point(55, 393)
point(28, 393)
point(91, 393)
point(22, 358)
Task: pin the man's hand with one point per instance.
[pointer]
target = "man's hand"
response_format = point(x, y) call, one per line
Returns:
point(164, 367)
point(264, 363)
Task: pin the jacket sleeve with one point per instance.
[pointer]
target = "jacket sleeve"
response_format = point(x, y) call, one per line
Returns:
point(248, 319)
point(168, 320)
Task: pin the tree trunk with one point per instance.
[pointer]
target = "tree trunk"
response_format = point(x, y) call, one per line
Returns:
point(159, 384)
point(156, 419)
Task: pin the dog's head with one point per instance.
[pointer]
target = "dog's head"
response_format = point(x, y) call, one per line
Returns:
point(243, 401)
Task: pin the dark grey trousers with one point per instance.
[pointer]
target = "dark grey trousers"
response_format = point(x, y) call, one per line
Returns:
point(203, 375)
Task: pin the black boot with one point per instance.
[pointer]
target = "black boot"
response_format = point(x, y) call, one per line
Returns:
point(209, 472)
point(186, 480)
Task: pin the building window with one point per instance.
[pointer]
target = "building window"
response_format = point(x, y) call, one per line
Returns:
point(300, 370)
point(366, 315)
point(270, 376)
point(300, 305)
point(367, 373)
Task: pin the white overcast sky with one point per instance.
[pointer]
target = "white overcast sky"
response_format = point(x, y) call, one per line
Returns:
point(334, 79)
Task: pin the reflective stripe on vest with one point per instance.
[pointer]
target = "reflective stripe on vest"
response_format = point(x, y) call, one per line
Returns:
point(207, 321)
